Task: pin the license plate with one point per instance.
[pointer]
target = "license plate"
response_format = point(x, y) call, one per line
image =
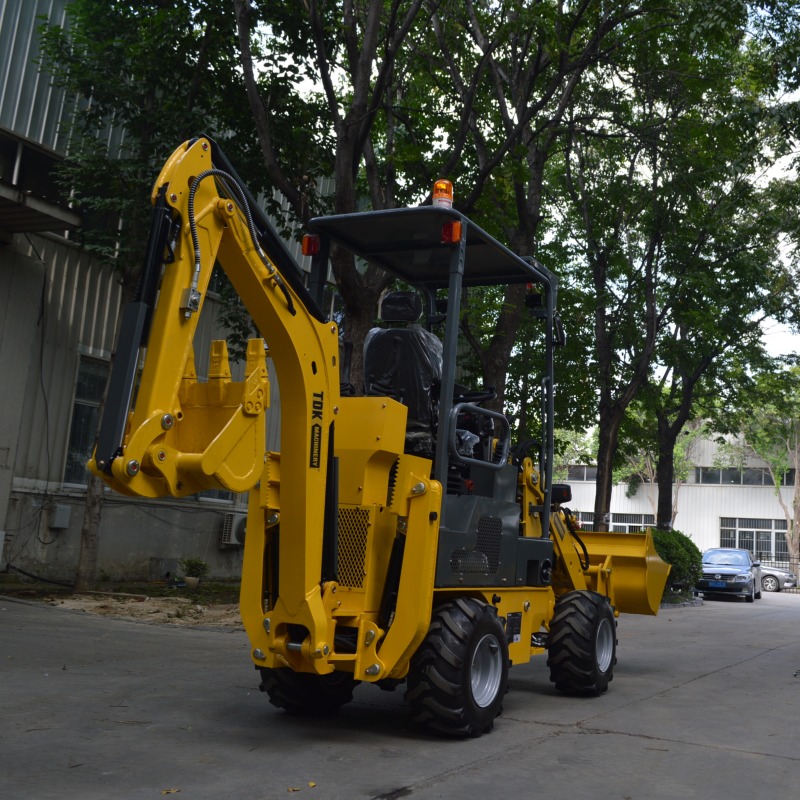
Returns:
point(717, 584)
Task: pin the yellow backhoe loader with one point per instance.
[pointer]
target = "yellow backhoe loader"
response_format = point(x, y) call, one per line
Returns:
point(399, 536)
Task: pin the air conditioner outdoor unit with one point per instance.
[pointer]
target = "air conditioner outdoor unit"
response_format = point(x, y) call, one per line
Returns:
point(233, 530)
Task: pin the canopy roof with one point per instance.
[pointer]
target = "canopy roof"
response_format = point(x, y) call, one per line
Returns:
point(407, 242)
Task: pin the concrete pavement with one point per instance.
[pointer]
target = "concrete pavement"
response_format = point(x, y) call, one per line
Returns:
point(705, 703)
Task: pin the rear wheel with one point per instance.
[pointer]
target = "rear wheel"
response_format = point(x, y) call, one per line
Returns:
point(582, 645)
point(305, 694)
point(459, 674)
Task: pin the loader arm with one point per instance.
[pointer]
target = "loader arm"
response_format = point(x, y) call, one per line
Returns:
point(182, 436)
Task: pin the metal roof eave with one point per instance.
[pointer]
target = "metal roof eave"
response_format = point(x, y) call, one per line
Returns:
point(24, 213)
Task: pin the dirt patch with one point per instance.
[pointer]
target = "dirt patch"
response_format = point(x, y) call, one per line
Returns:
point(175, 610)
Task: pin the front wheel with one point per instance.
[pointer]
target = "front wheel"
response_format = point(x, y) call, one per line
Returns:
point(305, 694)
point(769, 583)
point(459, 675)
point(582, 645)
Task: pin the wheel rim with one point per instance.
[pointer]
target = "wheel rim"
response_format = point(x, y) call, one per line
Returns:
point(487, 671)
point(770, 584)
point(604, 645)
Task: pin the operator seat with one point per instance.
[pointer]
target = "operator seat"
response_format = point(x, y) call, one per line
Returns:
point(404, 362)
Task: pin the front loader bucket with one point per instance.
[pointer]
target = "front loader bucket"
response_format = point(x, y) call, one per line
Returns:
point(627, 568)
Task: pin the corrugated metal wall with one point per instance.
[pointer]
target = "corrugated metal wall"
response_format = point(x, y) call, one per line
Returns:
point(30, 106)
point(77, 314)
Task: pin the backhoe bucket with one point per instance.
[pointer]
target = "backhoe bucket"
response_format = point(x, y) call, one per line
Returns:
point(627, 568)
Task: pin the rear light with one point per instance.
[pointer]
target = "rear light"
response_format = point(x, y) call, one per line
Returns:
point(311, 244)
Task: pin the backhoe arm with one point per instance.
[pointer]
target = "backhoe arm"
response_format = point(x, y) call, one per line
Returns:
point(182, 436)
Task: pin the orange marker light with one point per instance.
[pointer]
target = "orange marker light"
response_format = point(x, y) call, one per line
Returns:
point(310, 244)
point(451, 232)
point(443, 193)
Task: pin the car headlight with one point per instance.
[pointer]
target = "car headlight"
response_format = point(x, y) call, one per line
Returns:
point(743, 578)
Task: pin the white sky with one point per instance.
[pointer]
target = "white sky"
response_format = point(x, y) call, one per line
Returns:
point(780, 340)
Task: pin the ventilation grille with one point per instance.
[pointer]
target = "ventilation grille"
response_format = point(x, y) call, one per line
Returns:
point(485, 556)
point(353, 530)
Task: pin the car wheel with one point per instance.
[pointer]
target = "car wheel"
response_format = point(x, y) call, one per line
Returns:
point(769, 583)
point(752, 596)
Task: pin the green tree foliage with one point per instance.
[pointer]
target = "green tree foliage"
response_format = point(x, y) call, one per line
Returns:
point(572, 448)
point(344, 69)
point(769, 427)
point(670, 232)
point(143, 77)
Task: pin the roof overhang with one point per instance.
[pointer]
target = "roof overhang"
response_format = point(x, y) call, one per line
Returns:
point(23, 213)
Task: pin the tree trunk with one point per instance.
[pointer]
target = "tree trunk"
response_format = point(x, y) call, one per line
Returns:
point(86, 573)
point(494, 359)
point(665, 478)
point(359, 321)
point(793, 525)
point(607, 447)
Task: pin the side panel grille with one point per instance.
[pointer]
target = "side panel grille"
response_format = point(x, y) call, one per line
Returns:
point(485, 556)
point(354, 526)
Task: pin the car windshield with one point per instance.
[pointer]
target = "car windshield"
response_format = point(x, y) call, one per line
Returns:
point(731, 557)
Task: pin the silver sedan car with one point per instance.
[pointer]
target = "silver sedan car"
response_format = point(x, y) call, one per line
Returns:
point(773, 579)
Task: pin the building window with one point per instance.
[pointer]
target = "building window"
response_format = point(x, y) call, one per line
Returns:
point(580, 472)
point(730, 476)
point(620, 523)
point(764, 538)
point(752, 476)
point(92, 376)
point(708, 475)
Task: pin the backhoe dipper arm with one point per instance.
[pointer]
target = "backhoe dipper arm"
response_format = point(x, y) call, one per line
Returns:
point(182, 436)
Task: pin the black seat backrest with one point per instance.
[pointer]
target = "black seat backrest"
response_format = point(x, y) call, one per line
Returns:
point(405, 362)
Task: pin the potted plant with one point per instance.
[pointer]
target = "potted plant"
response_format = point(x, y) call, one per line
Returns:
point(193, 570)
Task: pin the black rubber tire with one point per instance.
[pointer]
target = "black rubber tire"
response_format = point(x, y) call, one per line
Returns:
point(750, 598)
point(305, 694)
point(459, 675)
point(769, 583)
point(582, 645)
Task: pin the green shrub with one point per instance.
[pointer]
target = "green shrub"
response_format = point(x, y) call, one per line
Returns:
point(682, 553)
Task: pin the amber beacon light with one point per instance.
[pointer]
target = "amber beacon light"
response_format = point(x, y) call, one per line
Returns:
point(443, 193)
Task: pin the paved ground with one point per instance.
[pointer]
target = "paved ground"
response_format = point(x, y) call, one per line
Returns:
point(705, 704)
